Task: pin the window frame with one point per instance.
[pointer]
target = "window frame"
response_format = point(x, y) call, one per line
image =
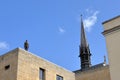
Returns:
point(58, 77)
point(41, 74)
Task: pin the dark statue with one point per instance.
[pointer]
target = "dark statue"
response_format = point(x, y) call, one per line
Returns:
point(26, 45)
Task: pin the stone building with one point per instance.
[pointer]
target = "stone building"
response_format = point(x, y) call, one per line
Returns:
point(112, 35)
point(20, 64)
point(87, 71)
point(96, 72)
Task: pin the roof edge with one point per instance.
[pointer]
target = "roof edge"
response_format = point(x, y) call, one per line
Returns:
point(21, 49)
point(110, 19)
point(94, 67)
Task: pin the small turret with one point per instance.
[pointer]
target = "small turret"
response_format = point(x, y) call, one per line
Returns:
point(104, 64)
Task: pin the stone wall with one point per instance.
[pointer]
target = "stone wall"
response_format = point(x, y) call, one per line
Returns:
point(112, 35)
point(8, 65)
point(101, 73)
point(29, 65)
point(19, 64)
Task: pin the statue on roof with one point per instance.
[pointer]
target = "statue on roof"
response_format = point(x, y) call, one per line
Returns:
point(26, 45)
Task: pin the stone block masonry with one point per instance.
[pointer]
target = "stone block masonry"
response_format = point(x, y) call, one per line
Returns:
point(26, 66)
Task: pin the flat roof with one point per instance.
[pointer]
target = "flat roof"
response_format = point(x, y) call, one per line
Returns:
point(110, 19)
point(18, 48)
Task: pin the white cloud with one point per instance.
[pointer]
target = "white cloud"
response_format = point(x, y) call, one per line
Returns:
point(4, 45)
point(89, 10)
point(91, 20)
point(61, 30)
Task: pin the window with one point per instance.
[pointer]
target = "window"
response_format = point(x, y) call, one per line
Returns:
point(86, 57)
point(59, 77)
point(7, 67)
point(42, 74)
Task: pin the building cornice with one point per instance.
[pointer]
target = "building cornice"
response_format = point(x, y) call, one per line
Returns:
point(111, 30)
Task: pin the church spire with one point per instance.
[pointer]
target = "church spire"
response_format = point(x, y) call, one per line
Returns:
point(83, 37)
point(84, 49)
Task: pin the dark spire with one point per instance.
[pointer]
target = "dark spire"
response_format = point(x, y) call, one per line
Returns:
point(26, 45)
point(84, 49)
point(83, 37)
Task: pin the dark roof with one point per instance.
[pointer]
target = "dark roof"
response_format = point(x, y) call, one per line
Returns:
point(110, 19)
point(101, 65)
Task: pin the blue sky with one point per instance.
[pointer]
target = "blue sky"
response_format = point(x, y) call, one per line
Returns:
point(52, 28)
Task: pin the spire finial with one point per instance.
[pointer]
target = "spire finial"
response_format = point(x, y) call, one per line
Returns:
point(104, 60)
point(81, 17)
